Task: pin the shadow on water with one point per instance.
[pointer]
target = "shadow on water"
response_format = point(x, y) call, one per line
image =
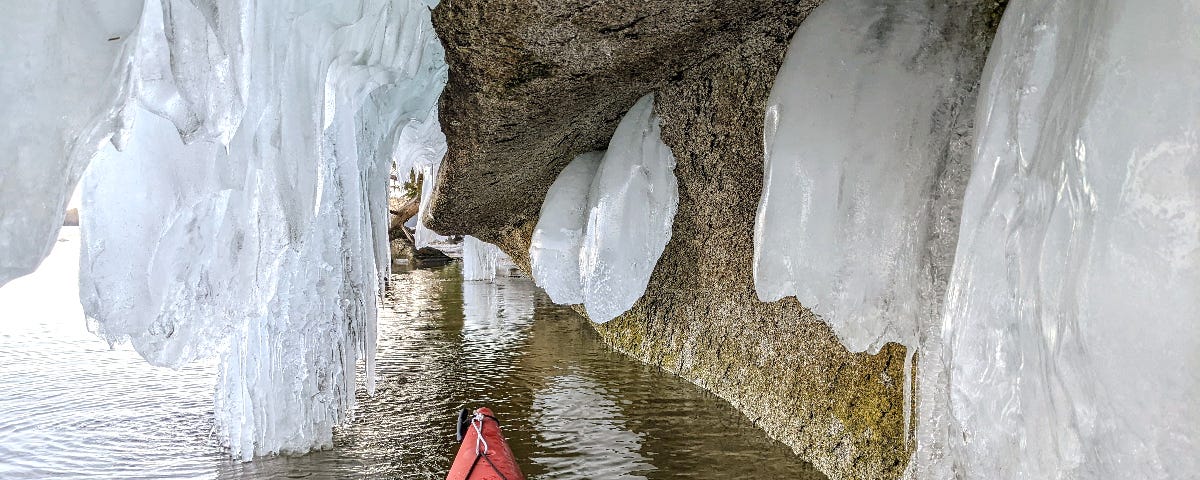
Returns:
point(571, 407)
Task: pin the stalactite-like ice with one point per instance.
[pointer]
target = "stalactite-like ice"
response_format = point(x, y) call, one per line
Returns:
point(480, 259)
point(631, 196)
point(1073, 320)
point(236, 205)
point(554, 250)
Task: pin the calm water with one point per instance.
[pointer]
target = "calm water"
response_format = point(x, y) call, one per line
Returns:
point(71, 407)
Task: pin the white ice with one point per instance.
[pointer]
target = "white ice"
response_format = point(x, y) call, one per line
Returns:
point(631, 197)
point(631, 209)
point(240, 207)
point(481, 259)
point(419, 152)
point(1068, 342)
point(56, 57)
point(1073, 320)
point(854, 143)
point(558, 237)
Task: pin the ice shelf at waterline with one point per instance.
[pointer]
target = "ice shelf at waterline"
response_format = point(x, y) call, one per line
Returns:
point(605, 222)
point(240, 207)
point(1065, 343)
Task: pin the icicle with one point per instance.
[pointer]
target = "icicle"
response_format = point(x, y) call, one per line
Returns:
point(480, 259)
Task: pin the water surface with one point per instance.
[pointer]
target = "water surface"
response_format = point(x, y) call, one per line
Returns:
point(71, 407)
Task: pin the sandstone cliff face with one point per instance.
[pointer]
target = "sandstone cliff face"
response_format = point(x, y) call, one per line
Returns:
point(534, 83)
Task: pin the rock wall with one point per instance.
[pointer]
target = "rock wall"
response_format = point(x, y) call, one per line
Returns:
point(532, 84)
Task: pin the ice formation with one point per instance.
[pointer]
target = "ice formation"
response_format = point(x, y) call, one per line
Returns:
point(1066, 344)
point(50, 104)
point(236, 203)
point(554, 250)
point(855, 140)
point(480, 259)
point(1071, 319)
point(419, 152)
point(631, 208)
point(631, 201)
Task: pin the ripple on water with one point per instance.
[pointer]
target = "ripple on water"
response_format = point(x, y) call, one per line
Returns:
point(71, 407)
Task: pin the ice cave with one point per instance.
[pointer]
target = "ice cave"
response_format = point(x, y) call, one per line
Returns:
point(887, 238)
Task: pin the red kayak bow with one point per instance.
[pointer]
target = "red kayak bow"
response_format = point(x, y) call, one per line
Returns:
point(483, 455)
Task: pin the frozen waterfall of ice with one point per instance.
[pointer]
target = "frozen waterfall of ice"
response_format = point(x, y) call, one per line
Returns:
point(56, 57)
point(1072, 320)
point(236, 202)
point(631, 197)
point(554, 250)
point(480, 259)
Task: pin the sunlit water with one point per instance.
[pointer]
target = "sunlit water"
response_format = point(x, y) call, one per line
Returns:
point(71, 407)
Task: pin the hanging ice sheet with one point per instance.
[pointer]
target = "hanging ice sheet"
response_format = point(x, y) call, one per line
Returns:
point(865, 168)
point(1073, 320)
point(857, 132)
point(246, 214)
point(56, 57)
point(481, 259)
point(631, 199)
point(631, 209)
point(554, 250)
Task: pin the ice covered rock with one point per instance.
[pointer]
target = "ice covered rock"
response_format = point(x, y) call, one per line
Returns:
point(1072, 320)
point(558, 237)
point(631, 199)
point(1065, 346)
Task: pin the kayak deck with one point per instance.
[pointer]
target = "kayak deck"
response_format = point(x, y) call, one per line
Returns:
point(483, 454)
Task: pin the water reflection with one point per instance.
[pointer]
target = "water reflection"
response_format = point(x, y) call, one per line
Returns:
point(71, 407)
point(583, 432)
point(571, 407)
point(496, 316)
